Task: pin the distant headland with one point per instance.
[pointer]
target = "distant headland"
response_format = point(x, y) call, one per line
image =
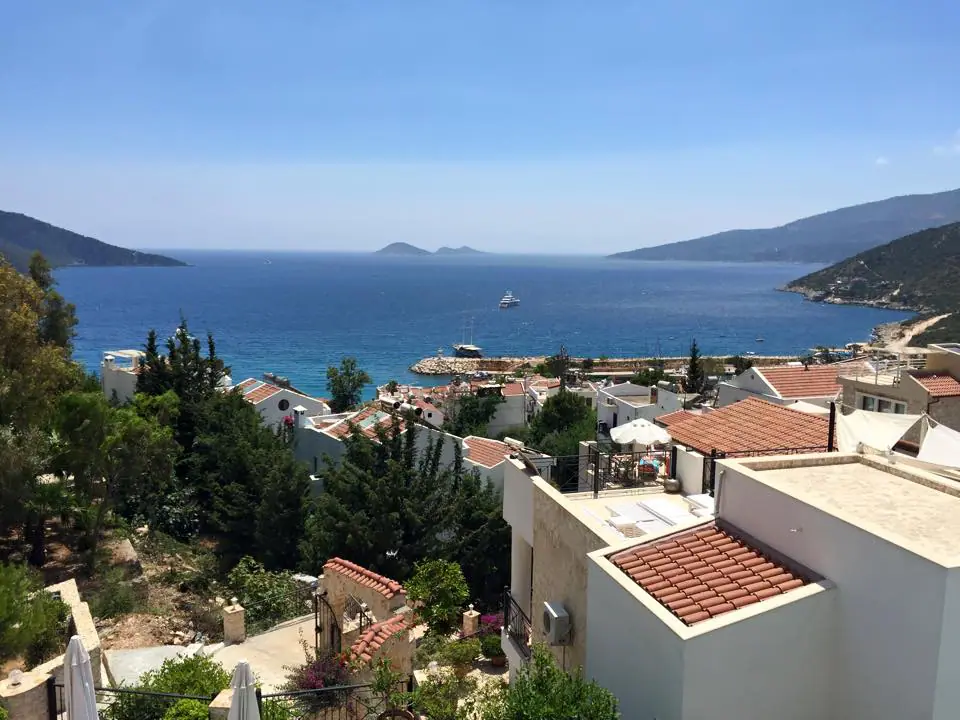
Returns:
point(402, 248)
point(21, 236)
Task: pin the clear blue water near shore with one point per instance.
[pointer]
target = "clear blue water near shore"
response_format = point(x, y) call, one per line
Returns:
point(296, 313)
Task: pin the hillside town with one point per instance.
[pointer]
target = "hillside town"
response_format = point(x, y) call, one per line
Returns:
point(650, 541)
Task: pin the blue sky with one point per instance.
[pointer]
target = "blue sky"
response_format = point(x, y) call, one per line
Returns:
point(541, 125)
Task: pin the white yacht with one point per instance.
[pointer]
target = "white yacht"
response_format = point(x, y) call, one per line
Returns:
point(509, 301)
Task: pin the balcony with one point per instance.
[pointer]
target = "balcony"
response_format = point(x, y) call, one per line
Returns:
point(516, 627)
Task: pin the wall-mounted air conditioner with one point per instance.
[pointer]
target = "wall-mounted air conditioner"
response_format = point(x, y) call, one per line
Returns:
point(556, 623)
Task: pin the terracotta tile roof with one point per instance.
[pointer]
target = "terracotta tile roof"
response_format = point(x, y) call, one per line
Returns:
point(798, 382)
point(372, 639)
point(706, 572)
point(383, 585)
point(366, 421)
point(512, 389)
point(261, 392)
point(249, 382)
point(939, 384)
point(485, 451)
point(752, 425)
point(675, 417)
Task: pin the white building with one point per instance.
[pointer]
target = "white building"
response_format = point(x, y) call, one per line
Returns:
point(826, 587)
point(275, 402)
point(783, 385)
point(623, 403)
point(118, 373)
point(487, 457)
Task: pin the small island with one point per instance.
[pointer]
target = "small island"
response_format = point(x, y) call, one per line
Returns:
point(402, 248)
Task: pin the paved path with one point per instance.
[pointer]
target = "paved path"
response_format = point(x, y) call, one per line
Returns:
point(126, 666)
point(270, 652)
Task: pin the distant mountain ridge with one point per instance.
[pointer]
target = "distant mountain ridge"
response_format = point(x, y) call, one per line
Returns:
point(918, 272)
point(402, 248)
point(827, 237)
point(21, 236)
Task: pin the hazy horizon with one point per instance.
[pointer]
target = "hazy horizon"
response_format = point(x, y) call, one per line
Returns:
point(511, 128)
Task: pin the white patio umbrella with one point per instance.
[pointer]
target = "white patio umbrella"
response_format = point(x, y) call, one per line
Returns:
point(639, 432)
point(79, 695)
point(243, 706)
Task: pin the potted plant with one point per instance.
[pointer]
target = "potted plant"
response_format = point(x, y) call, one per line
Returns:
point(493, 650)
point(461, 654)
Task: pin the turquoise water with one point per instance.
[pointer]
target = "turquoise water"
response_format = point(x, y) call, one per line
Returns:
point(295, 314)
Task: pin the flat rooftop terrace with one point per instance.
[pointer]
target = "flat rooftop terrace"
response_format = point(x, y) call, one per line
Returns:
point(911, 508)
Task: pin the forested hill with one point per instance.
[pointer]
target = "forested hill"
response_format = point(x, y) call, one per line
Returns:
point(920, 272)
point(21, 236)
point(827, 237)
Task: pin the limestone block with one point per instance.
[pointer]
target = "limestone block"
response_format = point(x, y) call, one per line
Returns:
point(471, 622)
point(234, 625)
point(28, 699)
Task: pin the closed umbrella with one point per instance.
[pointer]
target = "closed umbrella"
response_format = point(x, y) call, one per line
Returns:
point(639, 432)
point(243, 706)
point(79, 693)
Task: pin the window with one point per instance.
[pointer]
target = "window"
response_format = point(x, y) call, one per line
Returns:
point(884, 405)
point(283, 405)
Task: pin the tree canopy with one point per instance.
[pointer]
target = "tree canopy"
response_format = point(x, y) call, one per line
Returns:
point(696, 378)
point(470, 414)
point(565, 420)
point(345, 385)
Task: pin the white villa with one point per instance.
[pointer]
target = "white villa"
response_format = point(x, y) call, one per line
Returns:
point(826, 586)
point(783, 385)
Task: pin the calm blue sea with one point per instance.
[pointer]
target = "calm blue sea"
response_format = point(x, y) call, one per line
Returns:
point(295, 314)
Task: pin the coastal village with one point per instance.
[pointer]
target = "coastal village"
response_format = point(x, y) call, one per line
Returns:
point(711, 513)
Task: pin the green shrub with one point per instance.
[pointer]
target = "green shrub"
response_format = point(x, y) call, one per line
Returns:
point(490, 646)
point(268, 597)
point(430, 648)
point(3, 713)
point(441, 589)
point(461, 654)
point(32, 622)
point(276, 710)
point(114, 596)
point(187, 710)
point(196, 675)
point(437, 696)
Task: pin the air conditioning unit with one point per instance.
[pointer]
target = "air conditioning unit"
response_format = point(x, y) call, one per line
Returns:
point(556, 623)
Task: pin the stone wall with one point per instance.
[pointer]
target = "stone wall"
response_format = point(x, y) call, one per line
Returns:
point(83, 626)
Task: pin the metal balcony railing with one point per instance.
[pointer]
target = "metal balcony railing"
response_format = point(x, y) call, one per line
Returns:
point(517, 623)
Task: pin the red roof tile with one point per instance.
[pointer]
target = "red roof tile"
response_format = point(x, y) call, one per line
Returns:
point(708, 571)
point(366, 646)
point(486, 452)
point(675, 417)
point(383, 585)
point(366, 422)
point(938, 384)
point(259, 393)
point(752, 425)
point(791, 381)
point(512, 389)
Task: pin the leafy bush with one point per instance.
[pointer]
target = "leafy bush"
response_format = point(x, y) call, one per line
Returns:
point(114, 596)
point(276, 710)
point(430, 648)
point(3, 713)
point(268, 597)
point(543, 691)
point(461, 654)
point(440, 588)
point(437, 697)
point(179, 515)
point(490, 646)
point(319, 670)
point(187, 710)
point(32, 622)
point(491, 624)
point(197, 675)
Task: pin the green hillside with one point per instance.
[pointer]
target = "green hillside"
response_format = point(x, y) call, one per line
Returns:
point(828, 237)
point(21, 236)
point(918, 272)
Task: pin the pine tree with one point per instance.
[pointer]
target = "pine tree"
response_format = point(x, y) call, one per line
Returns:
point(695, 376)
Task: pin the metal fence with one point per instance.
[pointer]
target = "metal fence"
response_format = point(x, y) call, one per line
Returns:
point(122, 703)
point(288, 601)
point(344, 702)
point(603, 468)
point(517, 623)
point(710, 461)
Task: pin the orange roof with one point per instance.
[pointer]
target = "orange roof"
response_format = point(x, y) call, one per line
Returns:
point(486, 452)
point(366, 646)
point(675, 417)
point(708, 571)
point(752, 425)
point(939, 385)
point(383, 585)
point(512, 389)
point(366, 421)
point(791, 381)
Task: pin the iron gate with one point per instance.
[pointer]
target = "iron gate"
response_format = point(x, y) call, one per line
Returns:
point(327, 626)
